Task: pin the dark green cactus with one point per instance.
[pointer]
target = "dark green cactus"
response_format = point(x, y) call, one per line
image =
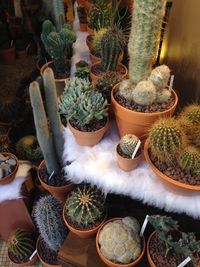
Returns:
point(85, 205)
point(82, 70)
point(189, 158)
point(21, 245)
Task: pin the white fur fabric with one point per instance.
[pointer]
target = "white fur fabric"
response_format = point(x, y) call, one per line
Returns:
point(98, 166)
point(13, 190)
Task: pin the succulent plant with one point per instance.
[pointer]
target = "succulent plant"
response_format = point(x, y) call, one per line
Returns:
point(192, 114)
point(189, 158)
point(80, 103)
point(96, 41)
point(7, 165)
point(128, 144)
point(119, 240)
point(166, 138)
point(48, 217)
point(144, 93)
point(82, 14)
point(82, 70)
point(85, 205)
point(160, 77)
point(21, 245)
point(163, 95)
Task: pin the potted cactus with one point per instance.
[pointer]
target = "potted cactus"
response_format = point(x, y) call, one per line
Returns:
point(21, 247)
point(84, 211)
point(172, 149)
point(48, 217)
point(59, 45)
point(85, 111)
point(168, 246)
point(124, 151)
point(8, 167)
point(119, 244)
point(139, 101)
point(82, 18)
point(50, 137)
point(82, 70)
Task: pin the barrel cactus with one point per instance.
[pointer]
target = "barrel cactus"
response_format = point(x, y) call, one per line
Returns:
point(144, 93)
point(128, 144)
point(85, 205)
point(119, 240)
point(192, 113)
point(21, 245)
point(189, 158)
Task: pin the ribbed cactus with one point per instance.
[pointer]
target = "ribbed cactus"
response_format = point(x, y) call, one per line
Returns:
point(98, 35)
point(85, 205)
point(48, 217)
point(21, 245)
point(144, 93)
point(189, 158)
point(160, 77)
point(128, 144)
point(192, 113)
point(51, 142)
point(59, 13)
point(147, 17)
point(166, 138)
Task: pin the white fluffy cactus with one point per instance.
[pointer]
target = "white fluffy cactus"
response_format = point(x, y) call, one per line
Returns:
point(160, 77)
point(120, 241)
point(125, 89)
point(163, 96)
point(144, 93)
point(128, 144)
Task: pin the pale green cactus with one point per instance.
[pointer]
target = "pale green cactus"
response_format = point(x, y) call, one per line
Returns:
point(160, 77)
point(163, 95)
point(128, 144)
point(144, 93)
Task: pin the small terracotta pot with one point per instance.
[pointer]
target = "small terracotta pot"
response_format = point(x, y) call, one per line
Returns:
point(81, 2)
point(110, 263)
point(22, 54)
point(90, 30)
point(60, 83)
point(89, 42)
point(83, 27)
point(28, 263)
point(163, 176)
point(10, 177)
point(59, 192)
point(8, 56)
point(42, 261)
point(94, 77)
point(88, 5)
point(88, 138)
point(126, 164)
point(96, 59)
point(138, 123)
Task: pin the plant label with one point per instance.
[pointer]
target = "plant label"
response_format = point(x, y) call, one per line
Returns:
point(51, 175)
point(183, 263)
point(33, 254)
point(136, 149)
point(144, 225)
point(171, 82)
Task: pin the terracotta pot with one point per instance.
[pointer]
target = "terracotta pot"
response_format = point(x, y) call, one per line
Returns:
point(138, 123)
point(90, 30)
point(126, 164)
point(8, 56)
point(42, 261)
point(110, 263)
point(88, 138)
point(60, 83)
point(163, 176)
point(10, 177)
point(28, 263)
point(22, 54)
point(88, 5)
point(81, 2)
point(94, 77)
point(88, 41)
point(111, 114)
point(96, 59)
point(82, 233)
point(59, 192)
point(83, 27)
point(127, 4)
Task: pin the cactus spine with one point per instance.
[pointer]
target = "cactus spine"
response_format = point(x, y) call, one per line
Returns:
point(128, 144)
point(52, 143)
point(144, 93)
point(192, 113)
point(189, 158)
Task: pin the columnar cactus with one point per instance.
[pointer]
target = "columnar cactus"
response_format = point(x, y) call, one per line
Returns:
point(144, 93)
point(21, 245)
point(48, 216)
point(97, 41)
point(51, 143)
point(59, 13)
point(189, 158)
point(85, 205)
point(128, 144)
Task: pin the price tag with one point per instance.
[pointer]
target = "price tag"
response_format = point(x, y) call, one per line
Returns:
point(136, 149)
point(144, 225)
point(183, 263)
point(171, 82)
point(33, 254)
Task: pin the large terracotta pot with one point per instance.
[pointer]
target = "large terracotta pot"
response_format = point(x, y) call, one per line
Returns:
point(138, 123)
point(10, 177)
point(59, 192)
point(8, 56)
point(110, 263)
point(88, 138)
point(28, 263)
point(163, 176)
point(60, 83)
point(128, 164)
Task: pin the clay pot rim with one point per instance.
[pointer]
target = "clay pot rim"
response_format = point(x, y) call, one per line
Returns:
point(163, 176)
point(116, 87)
point(128, 159)
point(27, 263)
point(40, 258)
point(148, 250)
point(81, 232)
point(3, 181)
point(119, 64)
point(46, 65)
point(110, 263)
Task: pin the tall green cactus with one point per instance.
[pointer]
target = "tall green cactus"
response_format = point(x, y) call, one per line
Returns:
point(147, 17)
point(51, 142)
point(59, 13)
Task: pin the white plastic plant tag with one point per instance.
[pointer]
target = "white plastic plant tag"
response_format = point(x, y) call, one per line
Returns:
point(35, 251)
point(171, 82)
point(183, 263)
point(51, 175)
point(144, 225)
point(136, 149)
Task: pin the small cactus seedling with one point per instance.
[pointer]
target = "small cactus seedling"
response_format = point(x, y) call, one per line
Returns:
point(128, 144)
point(144, 93)
point(160, 77)
point(189, 158)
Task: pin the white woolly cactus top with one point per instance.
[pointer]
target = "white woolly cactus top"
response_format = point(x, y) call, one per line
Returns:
point(160, 77)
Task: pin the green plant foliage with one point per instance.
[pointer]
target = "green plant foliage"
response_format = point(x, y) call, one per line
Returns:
point(85, 205)
point(189, 158)
point(97, 41)
point(128, 144)
point(192, 114)
point(82, 70)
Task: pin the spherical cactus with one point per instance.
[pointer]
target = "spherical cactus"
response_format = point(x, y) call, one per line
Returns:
point(166, 138)
point(189, 158)
point(125, 89)
point(85, 205)
point(163, 95)
point(160, 77)
point(128, 144)
point(21, 245)
point(144, 93)
point(192, 113)
point(119, 242)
